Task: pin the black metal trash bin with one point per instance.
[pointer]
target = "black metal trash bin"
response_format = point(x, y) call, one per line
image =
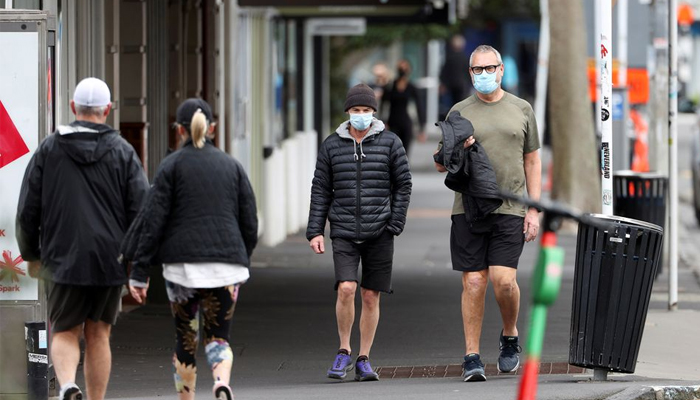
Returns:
point(614, 273)
point(640, 195)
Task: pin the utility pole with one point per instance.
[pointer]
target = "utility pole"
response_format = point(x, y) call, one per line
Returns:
point(542, 70)
point(658, 71)
point(673, 155)
point(622, 23)
point(605, 102)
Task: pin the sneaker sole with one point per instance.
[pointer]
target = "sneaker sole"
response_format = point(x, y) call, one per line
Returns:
point(339, 376)
point(223, 393)
point(506, 371)
point(475, 378)
point(366, 378)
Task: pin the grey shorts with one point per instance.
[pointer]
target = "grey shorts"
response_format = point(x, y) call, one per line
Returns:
point(72, 305)
point(377, 256)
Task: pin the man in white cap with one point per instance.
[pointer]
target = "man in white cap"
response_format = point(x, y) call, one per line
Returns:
point(82, 188)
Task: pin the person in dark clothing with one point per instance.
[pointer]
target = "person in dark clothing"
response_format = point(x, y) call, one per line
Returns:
point(454, 79)
point(489, 249)
point(397, 95)
point(82, 189)
point(362, 185)
point(199, 221)
point(381, 79)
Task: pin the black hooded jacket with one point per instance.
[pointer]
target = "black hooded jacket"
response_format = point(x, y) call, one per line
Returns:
point(82, 189)
point(469, 170)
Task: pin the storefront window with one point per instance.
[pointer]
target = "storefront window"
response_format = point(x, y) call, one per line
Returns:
point(24, 4)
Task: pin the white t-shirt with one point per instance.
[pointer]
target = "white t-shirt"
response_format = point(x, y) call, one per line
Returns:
point(203, 275)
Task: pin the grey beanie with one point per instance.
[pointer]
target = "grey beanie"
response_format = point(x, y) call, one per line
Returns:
point(360, 95)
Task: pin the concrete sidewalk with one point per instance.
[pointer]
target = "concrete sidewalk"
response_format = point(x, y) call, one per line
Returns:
point(284, 335)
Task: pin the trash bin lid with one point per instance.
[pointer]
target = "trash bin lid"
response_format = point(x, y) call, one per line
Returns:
point(628, 221)
point(634, 174)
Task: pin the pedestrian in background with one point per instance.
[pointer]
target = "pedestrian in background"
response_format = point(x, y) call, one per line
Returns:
point(362, 185)
point(381, 79)
point(490, 248)
point(454, 76)
point(510, 75)
point(200, 222)
point(397, 96)
point(82, 189)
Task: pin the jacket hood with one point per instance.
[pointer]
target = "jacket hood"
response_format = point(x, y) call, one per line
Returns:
point(344, 131)
point(86, 142)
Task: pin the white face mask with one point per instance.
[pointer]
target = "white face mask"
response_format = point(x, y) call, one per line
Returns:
point(361, 121)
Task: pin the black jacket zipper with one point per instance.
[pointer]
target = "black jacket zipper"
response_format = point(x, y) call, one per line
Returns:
point(358, 205)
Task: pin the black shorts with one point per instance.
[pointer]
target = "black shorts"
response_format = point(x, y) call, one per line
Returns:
point(72, 305)
point(377, 256)
point(497, 239)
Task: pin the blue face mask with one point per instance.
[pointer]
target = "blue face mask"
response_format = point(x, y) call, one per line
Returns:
point(485, 83)
point(361, 121)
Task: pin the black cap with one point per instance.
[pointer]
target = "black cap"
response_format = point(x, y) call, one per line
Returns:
point(187, 109)
point(360, 95)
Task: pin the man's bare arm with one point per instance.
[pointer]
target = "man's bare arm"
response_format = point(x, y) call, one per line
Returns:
point(533, 180)
point(533, 174)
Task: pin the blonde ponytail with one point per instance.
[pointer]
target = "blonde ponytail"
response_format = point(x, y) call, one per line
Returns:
point(198, 128)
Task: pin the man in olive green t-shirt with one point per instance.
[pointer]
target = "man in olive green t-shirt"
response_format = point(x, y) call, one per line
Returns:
point(489, 249)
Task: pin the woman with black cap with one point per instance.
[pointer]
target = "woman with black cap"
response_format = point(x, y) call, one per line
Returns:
point(200, 223)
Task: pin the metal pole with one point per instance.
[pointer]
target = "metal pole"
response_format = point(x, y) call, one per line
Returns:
point(8, 4)
point(596, 37)
point(673, 154)
point(622, 19)
point(433, 72)
point(542, 69)
point(600, 374)
point(605, 101)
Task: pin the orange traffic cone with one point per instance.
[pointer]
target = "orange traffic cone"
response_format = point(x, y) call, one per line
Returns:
point(640, 158)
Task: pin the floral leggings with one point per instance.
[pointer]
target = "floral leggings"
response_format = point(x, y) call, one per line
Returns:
point(213, 309)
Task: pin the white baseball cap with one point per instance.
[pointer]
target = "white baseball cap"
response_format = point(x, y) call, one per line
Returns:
point(92, 92)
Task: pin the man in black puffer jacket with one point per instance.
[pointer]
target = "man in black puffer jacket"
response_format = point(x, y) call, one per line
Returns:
point(362, 185)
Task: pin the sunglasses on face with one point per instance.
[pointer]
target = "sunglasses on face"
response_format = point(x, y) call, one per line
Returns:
point(490, 69)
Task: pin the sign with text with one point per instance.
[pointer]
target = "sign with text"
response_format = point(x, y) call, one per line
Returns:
point(19, 137)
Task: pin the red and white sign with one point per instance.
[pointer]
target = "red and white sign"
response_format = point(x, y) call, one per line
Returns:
point(19, 138)
point(12, 146)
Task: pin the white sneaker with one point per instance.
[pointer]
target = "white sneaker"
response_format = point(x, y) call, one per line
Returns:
point(70, 391)
point(222, 391)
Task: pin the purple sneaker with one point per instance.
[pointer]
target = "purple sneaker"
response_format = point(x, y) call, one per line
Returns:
point(341, 366)
point(364, 371)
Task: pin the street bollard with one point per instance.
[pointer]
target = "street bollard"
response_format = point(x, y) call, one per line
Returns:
point(37, 360)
